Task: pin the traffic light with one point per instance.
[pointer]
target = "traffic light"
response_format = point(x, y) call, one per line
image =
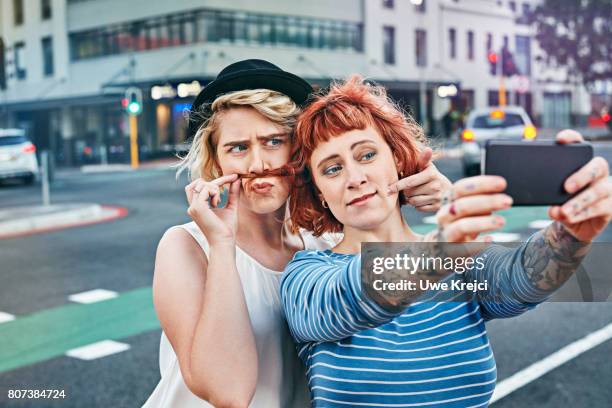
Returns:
point(132, 101)
point(492, 57)
point(507, 62)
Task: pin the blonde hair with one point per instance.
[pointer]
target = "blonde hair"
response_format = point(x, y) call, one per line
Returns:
point(200, 160)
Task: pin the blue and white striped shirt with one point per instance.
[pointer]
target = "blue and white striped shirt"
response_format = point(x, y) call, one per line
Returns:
point(434, 353)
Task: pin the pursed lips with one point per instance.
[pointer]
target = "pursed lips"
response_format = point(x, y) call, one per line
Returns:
point(261, 187)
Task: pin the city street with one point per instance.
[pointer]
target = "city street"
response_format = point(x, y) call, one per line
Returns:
point(40, 348)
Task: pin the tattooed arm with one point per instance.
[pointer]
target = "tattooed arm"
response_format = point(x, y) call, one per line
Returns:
point(397, 300)
point(552, 256)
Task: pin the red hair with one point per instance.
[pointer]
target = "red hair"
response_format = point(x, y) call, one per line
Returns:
point(350, 105)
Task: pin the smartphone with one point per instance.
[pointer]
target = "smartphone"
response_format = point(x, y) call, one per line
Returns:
point(535, 170)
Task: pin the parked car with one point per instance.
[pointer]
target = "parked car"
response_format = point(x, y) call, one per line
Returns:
point(507, 122)
point(17, 156)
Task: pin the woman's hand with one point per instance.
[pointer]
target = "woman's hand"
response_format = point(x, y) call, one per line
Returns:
point(218, 224)
point(468, 206)
point(423, 190)
point(587, 214)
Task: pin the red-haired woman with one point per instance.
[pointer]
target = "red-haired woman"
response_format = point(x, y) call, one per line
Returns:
point(369, 346)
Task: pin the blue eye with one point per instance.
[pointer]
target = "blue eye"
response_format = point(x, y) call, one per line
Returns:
point(238, 148)
point(274, 142)
point(368, 156)
point(332, 170)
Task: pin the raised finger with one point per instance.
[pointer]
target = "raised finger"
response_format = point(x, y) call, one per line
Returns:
point(428, 208)
point(412, 181)
point(568, 136)
point(594, 170)
point(225, 179)
point(596, 192)
point(425, 158)
point(597, 209)
point(425, 189)
point(474, 205)
point(209, 193)
point(478, 185)
point(421, 200)
point(461, 229)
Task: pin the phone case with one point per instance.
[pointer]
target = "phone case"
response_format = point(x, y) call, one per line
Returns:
point(535, 170)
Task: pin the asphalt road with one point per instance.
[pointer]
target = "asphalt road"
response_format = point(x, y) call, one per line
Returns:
point(39, 272)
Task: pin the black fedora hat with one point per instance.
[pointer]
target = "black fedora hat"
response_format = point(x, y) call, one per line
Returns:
point(249, 74)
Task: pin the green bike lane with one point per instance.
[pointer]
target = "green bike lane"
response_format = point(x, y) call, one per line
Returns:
point(53, 332)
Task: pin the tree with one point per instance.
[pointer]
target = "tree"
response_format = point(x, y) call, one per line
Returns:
point(575, 35)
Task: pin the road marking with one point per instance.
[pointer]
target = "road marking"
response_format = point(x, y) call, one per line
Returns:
point(539, 224)
point(551, 362)
point(505, 237)
point(6, 317)
point(98, 350)
point(92, 296)
point(51, 333)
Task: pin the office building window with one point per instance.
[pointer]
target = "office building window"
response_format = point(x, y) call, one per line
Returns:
point(489, 45)
point(452, 43)
point(388, 4)
point(45, 9)
point(512, 5)
point(526, 9)
point(421, 48)
point(470, 45)
point(18, 12)
point(216, 26)
point(19, 60)
point(47, 53)
point(389, 45)
point(522, 54)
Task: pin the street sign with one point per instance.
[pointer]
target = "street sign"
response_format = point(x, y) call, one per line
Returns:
point(522, 84)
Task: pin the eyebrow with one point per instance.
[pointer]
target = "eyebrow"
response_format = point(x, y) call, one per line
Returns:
point(335, 155)
point(260, 138)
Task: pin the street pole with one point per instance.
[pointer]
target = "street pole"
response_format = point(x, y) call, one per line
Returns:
point(423, 102)
point(502, 91)
point(134, 140)
point(44, 167)
point(422, 83)
point(502, 87)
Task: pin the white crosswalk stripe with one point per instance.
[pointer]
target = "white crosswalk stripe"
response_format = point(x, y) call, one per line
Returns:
point(98, 350)
point(6, 317)
point(92, 296)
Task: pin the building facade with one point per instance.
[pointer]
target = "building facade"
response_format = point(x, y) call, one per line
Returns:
point(67, 63)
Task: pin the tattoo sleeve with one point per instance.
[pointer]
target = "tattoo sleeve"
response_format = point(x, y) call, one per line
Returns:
point(552, 256)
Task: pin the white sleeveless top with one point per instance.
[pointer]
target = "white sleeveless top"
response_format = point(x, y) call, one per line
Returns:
point(281, 381)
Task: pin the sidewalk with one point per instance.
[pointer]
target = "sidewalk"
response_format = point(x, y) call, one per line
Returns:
point(159, 164)
point(21, 221)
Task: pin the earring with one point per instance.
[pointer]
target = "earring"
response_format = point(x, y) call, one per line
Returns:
point(402, 174)
point(324, 204)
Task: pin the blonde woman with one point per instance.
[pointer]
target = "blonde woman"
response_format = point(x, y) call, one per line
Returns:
point(216, 283)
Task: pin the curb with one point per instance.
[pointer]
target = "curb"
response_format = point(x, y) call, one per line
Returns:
point(71, 218)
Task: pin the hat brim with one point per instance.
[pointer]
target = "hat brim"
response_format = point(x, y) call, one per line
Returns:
point(281, 81)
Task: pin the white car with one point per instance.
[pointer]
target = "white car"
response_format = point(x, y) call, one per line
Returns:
point(17, 156)
point(502, 122)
